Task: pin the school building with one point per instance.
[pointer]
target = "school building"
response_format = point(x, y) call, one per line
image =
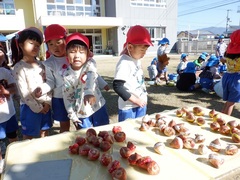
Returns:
point(104, 22)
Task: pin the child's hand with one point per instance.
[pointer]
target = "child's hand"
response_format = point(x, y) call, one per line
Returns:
point(2, 90)
point(140, 103)
point(37, 92)
point(106, 88)
point(89, 99)
point(45, 108)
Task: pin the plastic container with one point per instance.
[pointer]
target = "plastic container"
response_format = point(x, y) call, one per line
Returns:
point(173, 77)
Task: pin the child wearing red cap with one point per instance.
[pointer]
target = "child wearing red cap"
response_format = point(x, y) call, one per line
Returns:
point(231, 79)
point(81, 93)
point(35, 113)
point(129, 81)
point(55, 65)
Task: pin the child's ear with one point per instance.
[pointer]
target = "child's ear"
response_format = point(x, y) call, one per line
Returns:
point(130, 47)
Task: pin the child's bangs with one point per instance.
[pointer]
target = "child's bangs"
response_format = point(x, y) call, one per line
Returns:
point(31, 35)
point(77, 44)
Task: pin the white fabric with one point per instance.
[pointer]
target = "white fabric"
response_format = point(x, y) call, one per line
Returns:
point(182, 65)
point(152, 71)
point(55, 67)
point(7, 109)
point(28, 77)
point(130, 71)
point(77, 86)
point(221, 48)
point(161, 50)
point(215, 72)
point(218, 88)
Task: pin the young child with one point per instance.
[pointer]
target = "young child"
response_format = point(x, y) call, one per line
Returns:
point(35, 114)
point(81, 93)
point(152, 69)
point(198, 62)
point(183, 63)
point(220, 47)
point(209, 73)
point(187, 80)
point(230, 79)
point(163, 60)
point(55, 65)
point(8, 120)
point(163, 44)
point(129, 81)
point(162, 63)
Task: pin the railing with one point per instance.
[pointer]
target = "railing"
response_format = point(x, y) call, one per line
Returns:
point(198, 46)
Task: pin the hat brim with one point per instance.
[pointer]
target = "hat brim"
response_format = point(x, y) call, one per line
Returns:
point(54, 37)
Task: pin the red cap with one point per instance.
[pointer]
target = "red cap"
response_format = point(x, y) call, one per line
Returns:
point(77, 36)
point(138, 35)
point(234, 45)
point(54, 31)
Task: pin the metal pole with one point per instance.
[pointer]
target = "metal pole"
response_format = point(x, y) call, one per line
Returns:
point(228, 19)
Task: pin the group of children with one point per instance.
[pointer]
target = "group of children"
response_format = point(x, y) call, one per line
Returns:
point(67, 86)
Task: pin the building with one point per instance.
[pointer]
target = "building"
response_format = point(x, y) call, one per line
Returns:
point(104, 22)
point(195, 35)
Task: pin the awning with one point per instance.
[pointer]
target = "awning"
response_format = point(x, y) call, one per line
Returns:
point(2, 38)
point(10, 36)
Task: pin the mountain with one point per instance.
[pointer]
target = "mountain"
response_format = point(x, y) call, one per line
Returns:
point(215, 30)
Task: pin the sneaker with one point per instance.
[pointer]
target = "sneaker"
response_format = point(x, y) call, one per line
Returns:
point(2, 164)
point(3, 147)
point(56, 122)
point(206, 90)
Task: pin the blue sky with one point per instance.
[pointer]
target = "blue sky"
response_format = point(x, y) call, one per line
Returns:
point(211, 13)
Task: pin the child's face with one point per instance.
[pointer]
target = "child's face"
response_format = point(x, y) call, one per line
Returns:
point(185, 59)
point(57, 47)
point(137, 51)
point(30, 47)
point(77, 57)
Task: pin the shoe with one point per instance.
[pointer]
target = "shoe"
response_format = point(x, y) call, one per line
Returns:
point(56, 122)
point(2, 165)
point(206, 90)
point(3, 147)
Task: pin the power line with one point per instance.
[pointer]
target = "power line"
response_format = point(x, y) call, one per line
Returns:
point(208, 8)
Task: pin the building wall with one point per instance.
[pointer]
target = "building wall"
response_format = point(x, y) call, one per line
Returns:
point(145, 16)
point(115, 14)
point(23, 18)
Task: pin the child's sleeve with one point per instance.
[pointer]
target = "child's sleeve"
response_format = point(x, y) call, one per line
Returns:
point(91, 78)
point(23, 90)
point(69, 99)
point(118, 87)
point(101, 82)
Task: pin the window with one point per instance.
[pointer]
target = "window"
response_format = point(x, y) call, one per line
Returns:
point(157, 33)
point(149, 3)
point(73, 8)
point(7, 7)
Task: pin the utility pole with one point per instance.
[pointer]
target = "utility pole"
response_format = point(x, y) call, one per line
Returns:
point(228, 20)
point(238, 11)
